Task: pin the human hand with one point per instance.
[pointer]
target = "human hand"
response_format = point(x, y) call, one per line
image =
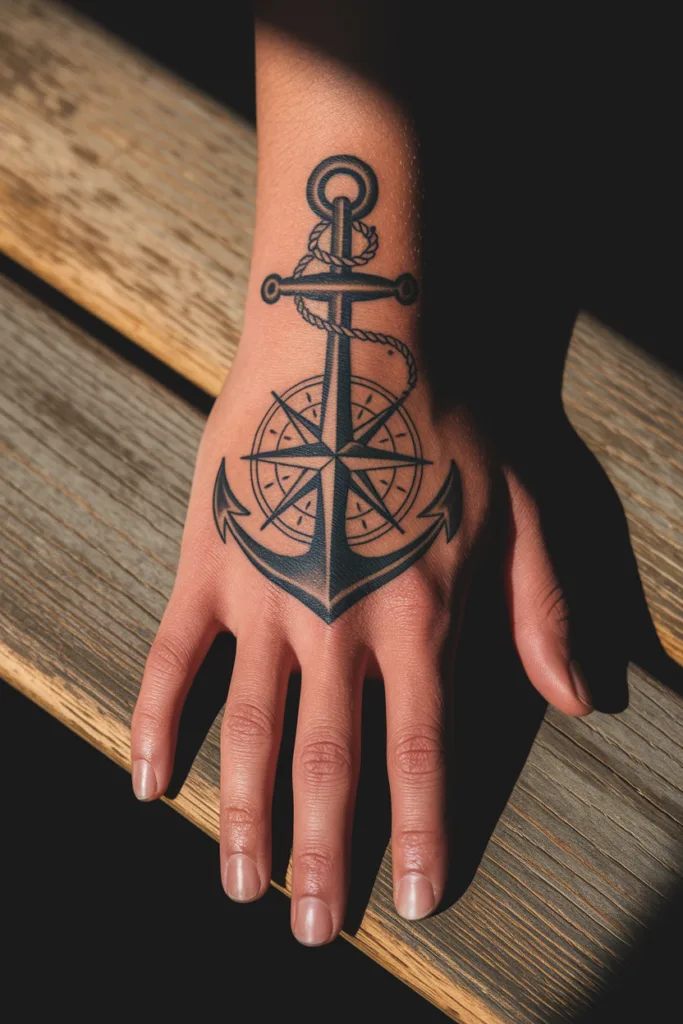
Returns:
point(334, 523)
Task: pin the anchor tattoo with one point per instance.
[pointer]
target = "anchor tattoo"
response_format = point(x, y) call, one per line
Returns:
point(337, 462)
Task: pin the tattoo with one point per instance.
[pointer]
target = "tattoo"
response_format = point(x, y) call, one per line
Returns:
point(337, 462)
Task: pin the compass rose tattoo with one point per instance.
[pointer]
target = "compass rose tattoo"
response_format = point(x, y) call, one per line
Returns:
point(337, 462)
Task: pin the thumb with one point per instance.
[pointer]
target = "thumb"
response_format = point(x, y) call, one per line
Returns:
point(538, 610)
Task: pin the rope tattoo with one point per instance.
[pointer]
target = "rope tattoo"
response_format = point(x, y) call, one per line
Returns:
point(316, 253)
point(336, 462)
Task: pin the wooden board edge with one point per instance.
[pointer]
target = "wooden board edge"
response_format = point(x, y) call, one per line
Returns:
point(207, 376)
point(671, 644)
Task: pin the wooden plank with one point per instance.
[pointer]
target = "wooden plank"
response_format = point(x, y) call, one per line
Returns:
point(629, 411)
point(97, 472)
point(129, 192)
point(133, 194)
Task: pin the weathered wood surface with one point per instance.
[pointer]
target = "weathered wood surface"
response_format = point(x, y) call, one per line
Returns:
point(96, 476)
point(630, 414)
point(130, 193)
point(134, 195)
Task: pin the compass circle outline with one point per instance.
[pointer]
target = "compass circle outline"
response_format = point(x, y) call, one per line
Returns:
point(411, 492)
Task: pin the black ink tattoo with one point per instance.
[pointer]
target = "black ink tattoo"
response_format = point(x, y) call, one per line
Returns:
point(334, 488)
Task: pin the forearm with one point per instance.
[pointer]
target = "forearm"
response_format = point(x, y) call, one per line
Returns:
point(311, 106)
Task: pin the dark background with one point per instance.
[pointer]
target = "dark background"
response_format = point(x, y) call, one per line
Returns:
point(550, 187)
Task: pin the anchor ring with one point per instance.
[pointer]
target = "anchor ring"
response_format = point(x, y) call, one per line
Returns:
point(362, 174)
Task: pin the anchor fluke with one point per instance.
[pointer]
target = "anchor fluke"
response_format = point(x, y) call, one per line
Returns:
point(447, 504)
point(225, 503)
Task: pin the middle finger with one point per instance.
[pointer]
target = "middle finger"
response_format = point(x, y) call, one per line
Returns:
point(325, 770)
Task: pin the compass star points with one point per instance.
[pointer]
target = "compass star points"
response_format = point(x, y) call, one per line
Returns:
point(357, 457)
point(303, 485)
point(312, 459)
point(361, 485)
point(313, 456)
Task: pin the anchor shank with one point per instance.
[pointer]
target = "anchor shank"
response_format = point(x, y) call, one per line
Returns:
point(336, 400)
point(336, 426)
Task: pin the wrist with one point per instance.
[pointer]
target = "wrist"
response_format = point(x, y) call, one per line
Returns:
point(311, 110)
point(310, 107)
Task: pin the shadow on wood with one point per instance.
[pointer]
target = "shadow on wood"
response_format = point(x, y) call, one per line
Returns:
point(647, 985)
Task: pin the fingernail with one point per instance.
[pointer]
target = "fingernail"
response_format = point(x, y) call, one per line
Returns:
point(580, 685)
point(144, 780)
point(414, 896)
point(241, 878)
point(312, 922)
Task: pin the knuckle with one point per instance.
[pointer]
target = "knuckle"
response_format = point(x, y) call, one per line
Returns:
point(425, 597)
point(417, 844)
point(421, 609)
point(419, 754)
point(238, 814)
point(239, 822)
point(315, 865)
point(167, 659)
point(147, 720)
point(323, 761)
point(324, 651)
point(246, 720)
point(553, 608)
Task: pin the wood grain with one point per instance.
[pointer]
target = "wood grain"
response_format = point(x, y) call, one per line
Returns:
point(129, 192)
point(133, 194)
point(96, 475)
point(629, 411)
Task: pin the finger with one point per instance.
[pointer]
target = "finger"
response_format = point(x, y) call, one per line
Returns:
point(417, 777)
point(185, 635)
point(250, 741)
point(539, 611)
point(325, 775)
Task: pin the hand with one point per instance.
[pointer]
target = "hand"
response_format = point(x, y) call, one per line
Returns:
point(405, 631)
point(335, 516)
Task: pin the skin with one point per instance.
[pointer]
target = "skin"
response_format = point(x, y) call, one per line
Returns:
point(404, 632)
